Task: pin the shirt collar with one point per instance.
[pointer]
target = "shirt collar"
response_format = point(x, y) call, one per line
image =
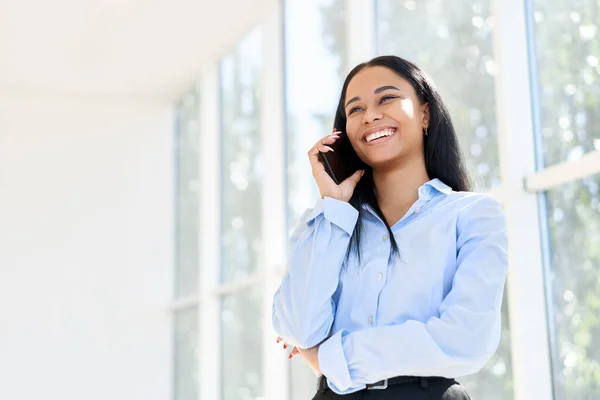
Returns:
point(437, 185)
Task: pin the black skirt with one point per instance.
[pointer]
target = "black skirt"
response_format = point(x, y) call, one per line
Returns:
point(415, 389)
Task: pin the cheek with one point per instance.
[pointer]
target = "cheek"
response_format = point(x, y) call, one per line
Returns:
point(352, 126)
point(407, 107)
point(352, 129)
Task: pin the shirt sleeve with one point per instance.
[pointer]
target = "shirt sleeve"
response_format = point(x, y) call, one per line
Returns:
point(303, 308)
point(458, 342)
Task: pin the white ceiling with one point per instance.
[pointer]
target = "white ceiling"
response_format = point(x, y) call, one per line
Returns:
point(117, 47)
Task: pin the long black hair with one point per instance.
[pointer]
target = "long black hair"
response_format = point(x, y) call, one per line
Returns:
point(443, 158)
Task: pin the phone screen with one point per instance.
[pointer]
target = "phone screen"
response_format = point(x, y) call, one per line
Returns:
point(343, 161)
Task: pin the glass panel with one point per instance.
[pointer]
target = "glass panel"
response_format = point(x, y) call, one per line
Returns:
point(315, 62)
point(186, 357)
point(242, 345)
point(452, 42)
point(567, 47)
point(242, 162)
point(574, 221)
point(187, 136)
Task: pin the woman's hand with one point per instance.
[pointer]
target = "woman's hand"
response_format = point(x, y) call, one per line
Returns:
point(285, 346)
point(327, 186)
point(311, 356)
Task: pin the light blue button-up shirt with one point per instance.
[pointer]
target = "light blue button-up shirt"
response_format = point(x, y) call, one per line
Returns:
point(432, 311)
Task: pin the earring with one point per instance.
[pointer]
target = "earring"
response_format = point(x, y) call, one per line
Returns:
point(426, 131)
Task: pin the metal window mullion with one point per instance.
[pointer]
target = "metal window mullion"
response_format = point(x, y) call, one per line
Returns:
point(184, 303)
point(273, 191)
point(209, 349)
point(237, 286)
point(526, 294)
point(559, 174)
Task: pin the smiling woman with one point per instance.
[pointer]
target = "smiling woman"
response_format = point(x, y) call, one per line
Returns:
point(437, 252)
point(405, 100)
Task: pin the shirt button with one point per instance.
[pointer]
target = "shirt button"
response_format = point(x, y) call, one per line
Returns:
point(423, 191)
point(385, 237)
point(370, 320)
point(379, 276)
point(417, 209)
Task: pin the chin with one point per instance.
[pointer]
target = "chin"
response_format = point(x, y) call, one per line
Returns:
point(383, 165)
point(382, 157)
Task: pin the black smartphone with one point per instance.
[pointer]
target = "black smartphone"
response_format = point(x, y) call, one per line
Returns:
point(343, 161)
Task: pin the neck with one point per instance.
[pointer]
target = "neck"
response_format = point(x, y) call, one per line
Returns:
point(398, 187)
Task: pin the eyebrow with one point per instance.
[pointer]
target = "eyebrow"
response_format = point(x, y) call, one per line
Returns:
point(376, 91)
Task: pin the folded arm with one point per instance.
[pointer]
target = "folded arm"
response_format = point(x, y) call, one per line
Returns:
point(303, 307)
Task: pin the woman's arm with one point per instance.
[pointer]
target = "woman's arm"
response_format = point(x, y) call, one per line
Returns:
point(457, 343)
point(303, 308)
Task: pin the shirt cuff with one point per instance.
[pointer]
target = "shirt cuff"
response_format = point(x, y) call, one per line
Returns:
point(339, 213)
point(332, 363)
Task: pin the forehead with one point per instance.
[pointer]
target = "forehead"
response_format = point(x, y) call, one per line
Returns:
point(371, 78)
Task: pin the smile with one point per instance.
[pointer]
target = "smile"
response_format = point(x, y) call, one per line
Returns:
point(375, 136)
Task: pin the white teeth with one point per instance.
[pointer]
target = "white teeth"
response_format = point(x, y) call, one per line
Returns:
point(377, 135)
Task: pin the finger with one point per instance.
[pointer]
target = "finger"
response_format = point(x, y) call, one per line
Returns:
point(285, 346)
point(324, 149)
point(329, 139)
point(354, 178)
point(313, 156)
point(314, 151)
point(279, 339)
point(293, 353)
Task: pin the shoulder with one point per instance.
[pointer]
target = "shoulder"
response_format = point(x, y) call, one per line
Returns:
point(471, 201)
point(478, 212)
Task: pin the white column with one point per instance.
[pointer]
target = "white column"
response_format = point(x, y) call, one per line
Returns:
point(360, 31)
point(209, 386)
point(275, 365)
point(526, 296)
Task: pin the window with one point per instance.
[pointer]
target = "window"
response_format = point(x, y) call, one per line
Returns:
point(315, 62)
point(242, 343)
point(568, 71)
point(186, 247)
point(241, 171)
point(452, 41)
point(315, 69)
point(574, 223)
point(567, 88)
point(186, 357)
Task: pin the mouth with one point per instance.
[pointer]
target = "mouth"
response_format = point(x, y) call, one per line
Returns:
point(379, 135)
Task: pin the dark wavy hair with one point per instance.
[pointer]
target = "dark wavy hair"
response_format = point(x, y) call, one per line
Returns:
point(443, 158)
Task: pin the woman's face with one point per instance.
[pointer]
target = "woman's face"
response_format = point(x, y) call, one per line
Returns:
point(385, 119)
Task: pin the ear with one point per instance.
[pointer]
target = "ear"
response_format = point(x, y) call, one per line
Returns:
point(425, 115)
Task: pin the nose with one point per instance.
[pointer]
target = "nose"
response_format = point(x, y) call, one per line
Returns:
point(371, 115)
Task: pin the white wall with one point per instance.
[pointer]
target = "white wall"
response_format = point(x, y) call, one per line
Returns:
point(86, 214)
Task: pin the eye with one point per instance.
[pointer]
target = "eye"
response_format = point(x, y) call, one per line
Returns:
point(354, 109)
point(386, 98)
